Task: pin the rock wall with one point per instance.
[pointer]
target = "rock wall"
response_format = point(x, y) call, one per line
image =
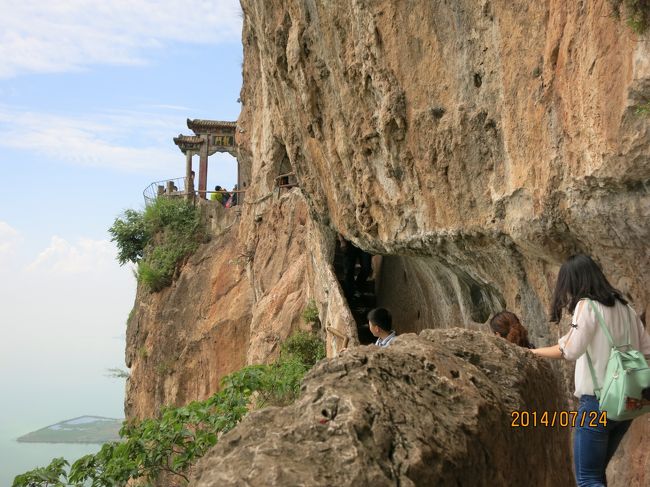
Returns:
point(428, 410)
point(474, 144)
point(496, 137)
point(233, 302)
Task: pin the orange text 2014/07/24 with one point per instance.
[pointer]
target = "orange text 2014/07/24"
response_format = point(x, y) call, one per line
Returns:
point(563, 419)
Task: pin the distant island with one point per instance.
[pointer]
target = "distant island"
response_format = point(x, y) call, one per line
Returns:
point(84, 429)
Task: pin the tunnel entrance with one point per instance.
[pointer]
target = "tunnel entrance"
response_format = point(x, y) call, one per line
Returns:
point(358, 291)
point(420, 292)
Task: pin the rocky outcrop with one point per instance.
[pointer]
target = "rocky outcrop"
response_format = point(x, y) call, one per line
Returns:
point(428, 410)
point(183, 339)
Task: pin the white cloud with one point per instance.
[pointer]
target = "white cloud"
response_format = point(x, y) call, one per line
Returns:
point(9, 239)
point(65, 35)
point(86, 255)
point(126, 140)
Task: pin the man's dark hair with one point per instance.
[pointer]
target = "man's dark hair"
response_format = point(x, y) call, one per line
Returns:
point(580, 277)
point(382, 318)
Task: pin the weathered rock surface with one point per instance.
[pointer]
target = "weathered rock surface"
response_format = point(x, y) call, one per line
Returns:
point(475, 144)
point(233, 303)
point(491, 138)
point(428, 410)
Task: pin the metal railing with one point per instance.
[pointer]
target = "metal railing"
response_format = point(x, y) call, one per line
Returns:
point(177, 187)
point(166, 187)
point(237, 194)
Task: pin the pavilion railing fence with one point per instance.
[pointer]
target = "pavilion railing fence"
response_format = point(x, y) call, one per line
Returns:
point(176, 187)
point(166, 187)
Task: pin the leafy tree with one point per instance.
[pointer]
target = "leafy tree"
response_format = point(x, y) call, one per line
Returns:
point(131, 236)
point(158, 239)
point(49, 476)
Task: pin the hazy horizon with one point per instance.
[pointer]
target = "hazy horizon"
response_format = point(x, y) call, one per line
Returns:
point(91, 96)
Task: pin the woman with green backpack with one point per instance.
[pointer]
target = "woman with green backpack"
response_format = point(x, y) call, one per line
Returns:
point(608, 342)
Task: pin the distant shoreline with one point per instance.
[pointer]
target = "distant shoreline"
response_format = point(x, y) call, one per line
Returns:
point(83, 430)
point(51, 442)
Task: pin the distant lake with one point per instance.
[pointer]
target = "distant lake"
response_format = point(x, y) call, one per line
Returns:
point(42, 390)
point(17, 458)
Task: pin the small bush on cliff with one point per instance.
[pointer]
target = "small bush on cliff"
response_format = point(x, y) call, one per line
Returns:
point(643, 109)
point(305, 347)
point(178, 437)
point(158, 239)
point(637, 13)
point(310, 313)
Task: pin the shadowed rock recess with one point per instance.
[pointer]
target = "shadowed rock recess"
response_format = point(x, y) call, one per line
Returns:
point(433, 409)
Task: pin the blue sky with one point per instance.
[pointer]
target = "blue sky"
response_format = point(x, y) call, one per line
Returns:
point(91, 95)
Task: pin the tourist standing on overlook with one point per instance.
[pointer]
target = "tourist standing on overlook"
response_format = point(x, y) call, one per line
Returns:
point(584, 291)
point(217, 195)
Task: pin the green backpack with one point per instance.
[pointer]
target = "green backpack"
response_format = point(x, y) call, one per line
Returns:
point(626, 376)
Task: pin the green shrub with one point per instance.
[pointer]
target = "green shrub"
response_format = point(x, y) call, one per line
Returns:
point(152, 277)
point(174, 441)
point(304, 347)
point(117, 373)
point(310, 313)
point(637, 13)
point(643, 108)
point(158, 239)
point(43, 476)
point(131, 236)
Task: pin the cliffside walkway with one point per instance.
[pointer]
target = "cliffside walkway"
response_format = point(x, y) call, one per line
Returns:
point(172, 188)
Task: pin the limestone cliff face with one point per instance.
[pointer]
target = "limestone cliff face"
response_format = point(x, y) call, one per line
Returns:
point(234, 301)
point(474, 144)
point(491, 139)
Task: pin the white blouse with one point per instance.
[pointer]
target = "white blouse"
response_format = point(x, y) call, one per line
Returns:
point(586, 335)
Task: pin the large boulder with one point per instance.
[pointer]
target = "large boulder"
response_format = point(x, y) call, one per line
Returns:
point(434, 409)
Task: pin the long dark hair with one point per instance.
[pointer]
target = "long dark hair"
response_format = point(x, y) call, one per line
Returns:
point(580, 277)
point(508, 326)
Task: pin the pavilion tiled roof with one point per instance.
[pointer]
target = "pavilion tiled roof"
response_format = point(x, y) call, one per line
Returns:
point(187, 139)
point(188, 142)
point(198, 125)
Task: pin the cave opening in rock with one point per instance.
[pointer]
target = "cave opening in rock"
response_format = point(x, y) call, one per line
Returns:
point(425, 292)
point(420, 291)
point(354, 271)
point(285, 177)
